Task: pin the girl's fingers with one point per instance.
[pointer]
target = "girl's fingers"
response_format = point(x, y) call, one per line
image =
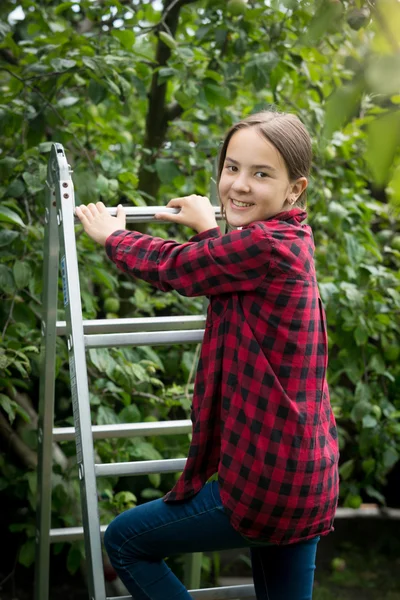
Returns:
point(100, 207)
point(175, 203)
point(163, 216)
point(91, 207)
point(81, 215)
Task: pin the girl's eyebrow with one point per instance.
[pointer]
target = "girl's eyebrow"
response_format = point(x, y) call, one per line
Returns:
point(235, 162)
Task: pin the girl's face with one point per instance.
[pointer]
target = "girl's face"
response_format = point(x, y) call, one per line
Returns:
point(254, 183)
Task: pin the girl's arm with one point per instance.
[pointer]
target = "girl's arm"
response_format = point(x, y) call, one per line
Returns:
point(208, 264)
point(215, 264)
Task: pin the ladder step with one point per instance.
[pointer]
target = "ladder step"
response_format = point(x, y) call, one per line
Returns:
point(141, 467)
point(142, 324)
point(152, 338)
point(145, 214)
point(70, 534)
point(125, 430)
point(232, 592)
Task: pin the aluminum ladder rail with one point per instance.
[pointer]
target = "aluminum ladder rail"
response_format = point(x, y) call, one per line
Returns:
point(60, 233)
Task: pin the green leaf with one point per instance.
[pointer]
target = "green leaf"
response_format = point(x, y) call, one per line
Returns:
point(368, 422)
point(130, 414)
point(22, 274)
point(9, 216)
point(7, 236)
point(383, 143)
point(63, 7)
point(74, 558)
point(16, 189)
point(125, 37)
point(167, 39)
point(346, 469)
point(155, 479)
point(97, 92)
point(125, 497)
point(33, 182)
point(166, 170)
point(68, 101)
point(341, 106)
point(258, 69)
point(102, 360)
point(8, 162)
point(26, 555)
point(6, 280)
point(62, 64)
point(383, 74)
point(327, 18)
point(361, 335)
point(390, 458)
point(8, 406)
point(373, 493)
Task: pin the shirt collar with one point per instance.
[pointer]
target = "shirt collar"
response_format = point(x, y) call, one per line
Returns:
point(294, 216)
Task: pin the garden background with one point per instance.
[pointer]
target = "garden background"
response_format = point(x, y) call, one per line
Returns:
point(140, 93)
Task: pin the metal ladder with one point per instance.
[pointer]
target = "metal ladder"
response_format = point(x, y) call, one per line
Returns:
point(82, 335)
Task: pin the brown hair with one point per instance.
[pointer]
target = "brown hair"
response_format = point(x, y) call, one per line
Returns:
point(289, 136)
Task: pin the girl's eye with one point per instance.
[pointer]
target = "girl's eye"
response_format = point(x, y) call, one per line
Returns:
point(231, 168)
point(261, 174)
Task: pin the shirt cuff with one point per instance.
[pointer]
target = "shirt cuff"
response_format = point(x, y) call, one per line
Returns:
point(113, 240)
point(209, 233)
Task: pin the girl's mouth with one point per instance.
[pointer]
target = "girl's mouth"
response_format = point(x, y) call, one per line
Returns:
point(238, 205)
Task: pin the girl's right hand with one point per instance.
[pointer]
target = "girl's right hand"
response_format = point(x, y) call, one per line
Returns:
point(196, 212)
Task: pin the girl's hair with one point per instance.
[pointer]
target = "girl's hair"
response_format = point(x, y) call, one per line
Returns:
point(289, 136)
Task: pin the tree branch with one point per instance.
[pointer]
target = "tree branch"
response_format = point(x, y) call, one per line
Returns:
point(27, 456)
point(8, 57)
point(158, 116)
point(173, 111)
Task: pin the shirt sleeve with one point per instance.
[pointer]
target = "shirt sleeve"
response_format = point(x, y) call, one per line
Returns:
point(215, 264)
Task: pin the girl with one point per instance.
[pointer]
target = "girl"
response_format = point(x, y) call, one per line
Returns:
point(261, 412)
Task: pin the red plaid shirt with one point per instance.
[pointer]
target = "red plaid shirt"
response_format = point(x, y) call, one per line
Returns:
point(261, 412)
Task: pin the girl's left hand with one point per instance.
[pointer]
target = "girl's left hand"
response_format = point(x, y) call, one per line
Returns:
point(196, 212)
point(98, 223)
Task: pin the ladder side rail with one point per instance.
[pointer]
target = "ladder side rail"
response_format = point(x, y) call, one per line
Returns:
point(79, 382)
point(46, 396)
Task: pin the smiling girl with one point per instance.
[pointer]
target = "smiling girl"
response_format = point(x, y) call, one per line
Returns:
point(261, 412)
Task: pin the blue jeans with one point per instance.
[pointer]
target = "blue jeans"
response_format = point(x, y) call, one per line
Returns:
point(139, 539)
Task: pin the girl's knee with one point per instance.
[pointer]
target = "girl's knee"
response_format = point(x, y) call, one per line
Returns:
point(113, 540)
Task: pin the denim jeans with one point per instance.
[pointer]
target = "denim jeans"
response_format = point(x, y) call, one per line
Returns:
point(139, 539)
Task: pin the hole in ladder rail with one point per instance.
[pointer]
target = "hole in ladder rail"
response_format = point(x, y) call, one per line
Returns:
point(60, 151)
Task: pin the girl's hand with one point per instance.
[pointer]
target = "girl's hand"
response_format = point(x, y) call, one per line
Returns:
point(98, 223)
point(196, 212)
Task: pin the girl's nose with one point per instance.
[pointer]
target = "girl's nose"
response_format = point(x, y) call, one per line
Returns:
point(241, 183)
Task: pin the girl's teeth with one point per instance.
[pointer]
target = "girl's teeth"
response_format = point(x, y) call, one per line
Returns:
point(237, 203)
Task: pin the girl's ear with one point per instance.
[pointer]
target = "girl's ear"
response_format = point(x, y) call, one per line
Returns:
point(298, 187)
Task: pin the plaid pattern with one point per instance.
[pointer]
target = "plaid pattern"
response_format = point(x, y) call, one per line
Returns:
point(261, 412)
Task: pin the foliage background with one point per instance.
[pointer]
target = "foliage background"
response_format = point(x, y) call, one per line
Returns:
point(140, 94)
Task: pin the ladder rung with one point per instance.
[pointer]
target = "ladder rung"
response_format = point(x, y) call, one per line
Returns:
point(144, 214)
point(232, 592)
point(151, 338)
point(70, 534)
point(142, 324)
point(100, 432)
point(141, 467)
